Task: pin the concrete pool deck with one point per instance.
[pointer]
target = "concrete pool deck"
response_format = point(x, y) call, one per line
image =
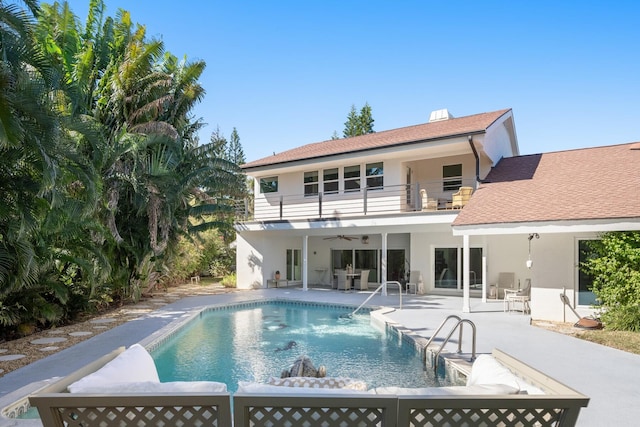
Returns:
point(610, 377)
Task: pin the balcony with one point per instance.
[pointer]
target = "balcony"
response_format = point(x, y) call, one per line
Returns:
point(390, 199)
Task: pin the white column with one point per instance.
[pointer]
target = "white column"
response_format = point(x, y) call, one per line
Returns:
point(383, 264)
point(466, 304)
point(484, 274)
point(305, 262)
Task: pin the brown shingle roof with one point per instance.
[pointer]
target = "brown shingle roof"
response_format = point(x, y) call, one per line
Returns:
point(590, 183)
point(436, 130)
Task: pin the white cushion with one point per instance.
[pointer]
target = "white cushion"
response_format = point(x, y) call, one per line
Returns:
point(487, 370)
point(134, 364)
point(312, 382)
point(250, 387)
point(155, 387)
point(495, 389)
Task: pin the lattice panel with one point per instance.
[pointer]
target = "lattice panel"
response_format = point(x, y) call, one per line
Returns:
point(164, 416)
point(316, 417)
point(428, 417)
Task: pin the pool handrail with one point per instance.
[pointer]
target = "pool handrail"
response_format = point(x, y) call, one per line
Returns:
point(374, 292)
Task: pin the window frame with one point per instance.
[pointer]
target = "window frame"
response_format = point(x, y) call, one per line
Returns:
point(311, 187)
point(334, 181)
point(451, 182)
point(352, 179)
point(376, 175)
point(269, 183)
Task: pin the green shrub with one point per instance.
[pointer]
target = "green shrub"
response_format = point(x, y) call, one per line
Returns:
point(229, 281)
point(206, 253)
point(615, 268)
point(623, 318)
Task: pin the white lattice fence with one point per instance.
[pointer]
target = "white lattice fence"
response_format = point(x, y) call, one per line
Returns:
point(312, 410)
point(196, 410)
point(490, 411)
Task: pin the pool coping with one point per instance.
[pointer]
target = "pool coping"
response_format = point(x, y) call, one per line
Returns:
point(16, 402)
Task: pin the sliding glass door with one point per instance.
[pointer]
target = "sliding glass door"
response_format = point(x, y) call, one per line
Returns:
point(448, 268)
point(396, 262)
point(585, 281)
point(359, 259)
point(294, 264)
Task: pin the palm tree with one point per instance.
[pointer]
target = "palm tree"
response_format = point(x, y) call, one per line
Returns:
point(34, 161)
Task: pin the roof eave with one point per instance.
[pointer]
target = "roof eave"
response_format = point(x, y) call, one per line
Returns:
point(362, 150)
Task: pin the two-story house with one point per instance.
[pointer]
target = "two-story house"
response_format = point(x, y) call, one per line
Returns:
point(383, 202)
point(451, 199)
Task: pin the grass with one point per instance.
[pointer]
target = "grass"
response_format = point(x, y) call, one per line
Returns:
point(622, 340)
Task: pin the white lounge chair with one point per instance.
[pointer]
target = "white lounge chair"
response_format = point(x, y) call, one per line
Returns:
point(412, 284)
point(428, 204)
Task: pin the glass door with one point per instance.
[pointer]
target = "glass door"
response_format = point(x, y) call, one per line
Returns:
point(448, 268)
point(396, 270)
point(475, 268)
point(340, 258)
point(294, 264)
point(367, 259)
point(585, 281)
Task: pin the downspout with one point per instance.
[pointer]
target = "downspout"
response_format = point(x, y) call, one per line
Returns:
point(477, 157)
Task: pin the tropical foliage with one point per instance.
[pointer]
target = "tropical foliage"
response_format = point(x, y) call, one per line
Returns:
point(615, 268)
point(102, 170)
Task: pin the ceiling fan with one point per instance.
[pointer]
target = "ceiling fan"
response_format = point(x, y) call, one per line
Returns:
point(342, 237)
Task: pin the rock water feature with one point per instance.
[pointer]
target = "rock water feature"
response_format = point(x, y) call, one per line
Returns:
point(303, 367)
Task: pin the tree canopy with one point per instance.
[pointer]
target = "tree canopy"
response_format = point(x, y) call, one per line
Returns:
point(358, 123)
point(615, 269)
point(103, 172)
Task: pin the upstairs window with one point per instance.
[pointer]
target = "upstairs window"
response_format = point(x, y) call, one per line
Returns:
point(375, 176)
point(451, 177)
point(269, 185)
point(311, 183)
point(330, 181)
point(352, 178)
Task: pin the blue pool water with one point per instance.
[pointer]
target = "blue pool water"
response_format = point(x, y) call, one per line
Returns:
point(254, 343)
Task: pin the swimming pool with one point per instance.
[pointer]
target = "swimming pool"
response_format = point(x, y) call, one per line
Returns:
point(254, 342)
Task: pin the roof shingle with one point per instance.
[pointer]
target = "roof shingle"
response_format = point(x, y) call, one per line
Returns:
point(427, 131)
point(584, 184)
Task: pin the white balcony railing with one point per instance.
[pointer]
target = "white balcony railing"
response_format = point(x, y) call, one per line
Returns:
point(389, 199)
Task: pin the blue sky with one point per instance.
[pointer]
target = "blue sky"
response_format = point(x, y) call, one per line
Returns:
point(285, 73)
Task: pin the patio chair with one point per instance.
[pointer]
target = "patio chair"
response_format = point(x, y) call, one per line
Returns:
point(459, 199)
point(505, 281)
point(362, 283)
point(412, 284)
point(428, 204)
point(344, 283)
point(522, 296)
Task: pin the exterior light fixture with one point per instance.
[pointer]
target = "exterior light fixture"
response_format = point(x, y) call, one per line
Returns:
point(529, 261)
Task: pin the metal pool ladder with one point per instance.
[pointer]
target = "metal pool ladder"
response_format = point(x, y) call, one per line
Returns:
point(460, 322)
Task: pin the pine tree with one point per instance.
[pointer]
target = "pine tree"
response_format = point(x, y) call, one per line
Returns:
point(358, 123)
point(366, 120)
point(219, 143)
point(236, 153)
